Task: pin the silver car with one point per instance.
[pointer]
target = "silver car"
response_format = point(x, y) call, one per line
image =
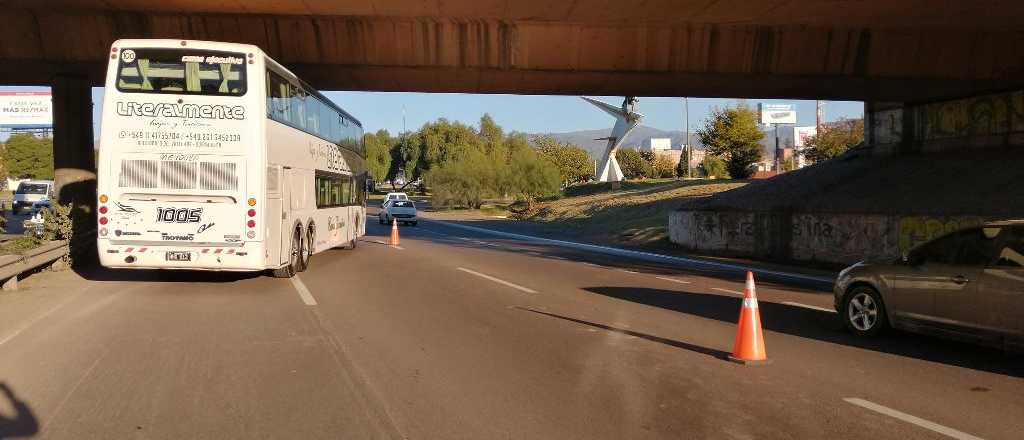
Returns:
point(966, 285)
point(403, 211)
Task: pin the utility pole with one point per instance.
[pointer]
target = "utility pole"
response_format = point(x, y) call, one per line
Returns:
point(686, 141)
point(820, 115)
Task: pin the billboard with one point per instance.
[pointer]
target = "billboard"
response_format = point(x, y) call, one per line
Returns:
point(777, 113)
point(801, 134)
point(26, 109)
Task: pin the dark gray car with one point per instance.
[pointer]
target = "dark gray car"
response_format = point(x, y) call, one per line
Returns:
point(966, 285)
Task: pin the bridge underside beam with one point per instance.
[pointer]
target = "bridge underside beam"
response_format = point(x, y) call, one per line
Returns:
point(501, 56)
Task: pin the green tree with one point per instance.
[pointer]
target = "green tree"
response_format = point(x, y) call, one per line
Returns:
point(713, 166)
point(573, 163)
point(789, 164)
point(445, 141)
point(491, 134)
point(531, 177)
point(683, 167)
point(631, 163)
point(834, 139)
point(378, 153)
point(663, 167)
point(465, 182)
point(28, 156)
point(732, 134)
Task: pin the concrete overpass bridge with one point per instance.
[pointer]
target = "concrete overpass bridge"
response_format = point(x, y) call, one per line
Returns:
point(900, 56)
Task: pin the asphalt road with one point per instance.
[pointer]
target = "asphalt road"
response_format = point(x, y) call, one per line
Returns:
point(459, 334)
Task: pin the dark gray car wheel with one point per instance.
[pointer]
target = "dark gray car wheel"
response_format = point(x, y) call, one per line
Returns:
point(863, 312)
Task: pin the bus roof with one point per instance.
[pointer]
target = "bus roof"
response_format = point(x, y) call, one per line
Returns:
point(238, 47)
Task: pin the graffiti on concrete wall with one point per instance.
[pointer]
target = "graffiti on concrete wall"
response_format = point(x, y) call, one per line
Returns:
point(887, 126)
point(839, 237)
point(915, 230)
point(713, 230)
point(979, 116)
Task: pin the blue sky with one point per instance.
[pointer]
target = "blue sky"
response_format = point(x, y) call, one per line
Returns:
point(529, 113)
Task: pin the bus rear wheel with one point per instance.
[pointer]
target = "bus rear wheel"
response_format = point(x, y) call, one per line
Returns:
point(307, 255)
point(295, 254)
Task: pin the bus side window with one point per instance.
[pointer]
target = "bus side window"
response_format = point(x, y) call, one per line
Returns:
point(297, 106)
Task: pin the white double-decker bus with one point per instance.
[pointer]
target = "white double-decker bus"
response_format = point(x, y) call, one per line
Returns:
point(215, 157)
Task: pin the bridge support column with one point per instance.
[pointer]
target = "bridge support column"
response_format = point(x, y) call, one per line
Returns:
point(74, 158)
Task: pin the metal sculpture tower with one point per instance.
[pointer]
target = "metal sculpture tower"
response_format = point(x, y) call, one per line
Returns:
point(626, 118)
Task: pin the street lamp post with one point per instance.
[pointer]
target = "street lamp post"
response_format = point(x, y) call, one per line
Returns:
point(686, 140)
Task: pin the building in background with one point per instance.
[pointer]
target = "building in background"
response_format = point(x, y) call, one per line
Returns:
point(791, 138)
point(657, 144)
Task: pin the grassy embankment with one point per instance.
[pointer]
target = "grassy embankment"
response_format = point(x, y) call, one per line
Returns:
point(637, 213)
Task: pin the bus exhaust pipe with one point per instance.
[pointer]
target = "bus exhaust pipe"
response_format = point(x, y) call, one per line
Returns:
point(129, 259)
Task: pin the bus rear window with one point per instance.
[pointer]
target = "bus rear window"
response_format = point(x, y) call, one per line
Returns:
point(181, 71)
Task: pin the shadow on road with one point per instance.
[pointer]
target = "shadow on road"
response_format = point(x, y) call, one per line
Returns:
point(23, 423)
point(821, 326)
point(99, 273)
point(671, 342)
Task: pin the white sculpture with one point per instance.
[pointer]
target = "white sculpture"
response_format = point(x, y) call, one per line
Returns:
point(626, 118)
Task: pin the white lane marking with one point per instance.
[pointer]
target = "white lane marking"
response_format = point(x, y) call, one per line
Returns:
point(303, 291)
point(591, 264)
point(727, 291)
point(31, 322)
point(808, 306)
point(498, 280)
point(673, 280)
point(628, 271)
point(558, 258)
point(432, 232)
point(465, 238)
point(947, 431)
point(535, 254)
point(649, 256)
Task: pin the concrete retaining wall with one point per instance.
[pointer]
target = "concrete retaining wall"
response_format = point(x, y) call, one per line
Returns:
point(821, 237)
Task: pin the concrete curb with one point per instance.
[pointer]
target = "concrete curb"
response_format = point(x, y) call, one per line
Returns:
point(646, 256)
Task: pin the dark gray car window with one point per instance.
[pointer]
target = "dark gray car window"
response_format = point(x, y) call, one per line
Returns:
point(964, 248)
point(975, 248)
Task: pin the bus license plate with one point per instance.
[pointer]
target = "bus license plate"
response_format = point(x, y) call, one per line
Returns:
point(179, 256)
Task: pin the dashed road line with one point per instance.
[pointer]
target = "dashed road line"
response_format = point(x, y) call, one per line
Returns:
point(628, 271)
point(303, 291)
point(498, 280)
point(591, 264)
point(727, 291)
point(932, 426)
point(808, 306)
point(674, 280)
point(432, 232)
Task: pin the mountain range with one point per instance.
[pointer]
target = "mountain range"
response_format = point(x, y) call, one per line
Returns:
point(587, 139)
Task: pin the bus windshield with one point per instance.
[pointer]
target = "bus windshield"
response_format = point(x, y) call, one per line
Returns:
point(181, 71)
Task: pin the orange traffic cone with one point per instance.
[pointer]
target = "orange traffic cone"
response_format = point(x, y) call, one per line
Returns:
point(749, 348)
point(394, 232)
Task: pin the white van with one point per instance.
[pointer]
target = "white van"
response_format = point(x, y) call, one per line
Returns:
point(31, 192)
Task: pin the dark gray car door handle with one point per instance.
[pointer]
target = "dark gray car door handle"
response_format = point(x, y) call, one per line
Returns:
point(960, 279)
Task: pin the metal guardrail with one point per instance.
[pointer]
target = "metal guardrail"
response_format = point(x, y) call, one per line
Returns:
point(13, 265)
